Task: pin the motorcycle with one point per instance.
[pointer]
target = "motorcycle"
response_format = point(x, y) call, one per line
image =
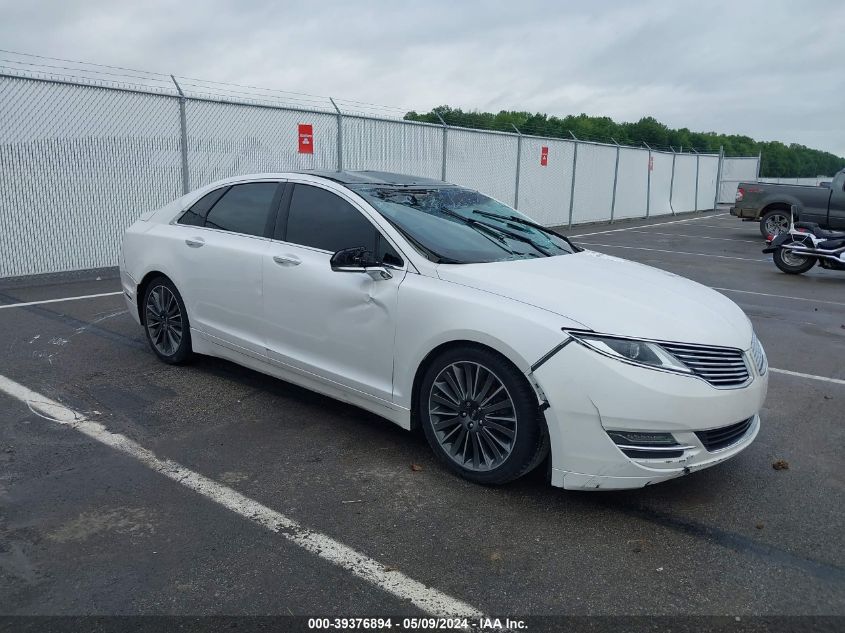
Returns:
point(806, 244)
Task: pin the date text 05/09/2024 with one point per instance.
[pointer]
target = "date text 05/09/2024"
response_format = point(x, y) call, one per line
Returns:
point(413, 624)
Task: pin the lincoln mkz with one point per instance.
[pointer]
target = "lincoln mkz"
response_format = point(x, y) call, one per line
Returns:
point(434, 305)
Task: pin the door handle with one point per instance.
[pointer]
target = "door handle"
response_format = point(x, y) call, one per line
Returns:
point(195, 242)
point(287, 260)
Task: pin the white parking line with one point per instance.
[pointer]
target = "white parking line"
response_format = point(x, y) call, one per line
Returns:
point(659, 250)
point(426, 598)
point(36, 303)
point(645, 226)
point(700, 237)
point(766, 294)
point(798, 374)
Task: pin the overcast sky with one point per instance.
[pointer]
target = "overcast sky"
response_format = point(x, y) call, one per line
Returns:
point(771, 70)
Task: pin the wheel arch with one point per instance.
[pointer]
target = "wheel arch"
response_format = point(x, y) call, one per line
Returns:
point(775, 206)
point(142, 289)
point(436, 351)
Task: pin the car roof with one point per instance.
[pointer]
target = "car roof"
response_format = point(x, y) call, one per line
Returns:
point(370, 177)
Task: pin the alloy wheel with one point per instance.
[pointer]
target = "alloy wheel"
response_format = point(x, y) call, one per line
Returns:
point(473, 416)
point(164, 320)
point(777, 224)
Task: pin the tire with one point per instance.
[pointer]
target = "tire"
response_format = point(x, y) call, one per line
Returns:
point(774, 222)
point(793, 264)
point(465, 403)
point(165, 322)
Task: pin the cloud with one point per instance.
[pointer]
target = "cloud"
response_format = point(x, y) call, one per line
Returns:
point(771, 70)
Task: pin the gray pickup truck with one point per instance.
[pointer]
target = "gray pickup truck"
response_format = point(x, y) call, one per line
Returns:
point(769, 204)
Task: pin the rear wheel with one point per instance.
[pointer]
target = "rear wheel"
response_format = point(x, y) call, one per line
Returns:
point(481, 417)
point(792, 263)
point(166, 322)
point(773, 223)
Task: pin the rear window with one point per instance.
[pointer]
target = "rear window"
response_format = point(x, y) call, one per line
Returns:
point(195, 216)
point(244, 209)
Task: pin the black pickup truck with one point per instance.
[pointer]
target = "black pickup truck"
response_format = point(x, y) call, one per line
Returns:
point(769, 204)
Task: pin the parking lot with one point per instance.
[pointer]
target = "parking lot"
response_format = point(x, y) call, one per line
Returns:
point(89, 526)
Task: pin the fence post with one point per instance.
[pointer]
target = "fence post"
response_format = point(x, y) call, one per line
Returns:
point(697, 162)
point(183, 127)
point(615, 181)
point(719, 176)
point(648, 185)
point(445, 141)
point(572, 184)
point(518, 161)
point(339, 135)
point(672, 181)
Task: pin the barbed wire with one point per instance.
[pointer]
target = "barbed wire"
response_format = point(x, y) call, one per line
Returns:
point(33, 66)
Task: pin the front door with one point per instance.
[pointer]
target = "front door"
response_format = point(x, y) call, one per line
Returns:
point(836, 218)
point(339, 326)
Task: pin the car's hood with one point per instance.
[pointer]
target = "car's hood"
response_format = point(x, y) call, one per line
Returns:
point(613, 296)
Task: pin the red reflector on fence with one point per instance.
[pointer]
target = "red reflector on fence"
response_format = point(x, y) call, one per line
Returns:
point(306, 138)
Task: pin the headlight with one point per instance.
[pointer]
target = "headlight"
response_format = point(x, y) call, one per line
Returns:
point(642, 353)
point(759, 355)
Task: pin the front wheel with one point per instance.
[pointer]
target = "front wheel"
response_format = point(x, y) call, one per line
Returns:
point(792, 263)
point(166, 322)
point(481, 417)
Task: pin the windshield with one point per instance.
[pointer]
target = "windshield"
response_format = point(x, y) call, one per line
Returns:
point(460, 226)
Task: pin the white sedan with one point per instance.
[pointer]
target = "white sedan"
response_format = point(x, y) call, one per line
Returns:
point(434, 305)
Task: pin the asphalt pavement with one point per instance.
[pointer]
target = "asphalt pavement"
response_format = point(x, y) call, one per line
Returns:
point(87, 529)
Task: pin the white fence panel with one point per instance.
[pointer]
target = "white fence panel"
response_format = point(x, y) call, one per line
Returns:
point(593, 183)
point(226, 139)
point(683, 191)
point(708, 167)
point(734, 171)
point(484, 161)
point(661, 183)
point(544, 190)
point(78, 165)
point(407, 148)
point(632, 185)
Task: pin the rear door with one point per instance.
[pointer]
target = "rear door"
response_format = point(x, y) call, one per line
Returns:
point(224, 237)
point(339, 326)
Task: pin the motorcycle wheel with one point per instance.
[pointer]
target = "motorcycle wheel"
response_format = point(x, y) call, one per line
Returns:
point(792, 264)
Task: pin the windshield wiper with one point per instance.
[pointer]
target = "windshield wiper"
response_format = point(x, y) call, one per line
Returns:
point(425, 250)
point(498, 229)
point(492, 233)
point(525, 222)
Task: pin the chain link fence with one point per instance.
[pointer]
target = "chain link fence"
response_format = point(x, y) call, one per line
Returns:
point(80, 160)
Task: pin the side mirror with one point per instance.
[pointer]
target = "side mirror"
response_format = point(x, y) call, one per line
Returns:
point(359, 260)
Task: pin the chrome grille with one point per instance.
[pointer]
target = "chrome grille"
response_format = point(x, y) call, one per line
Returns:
point(720, 366)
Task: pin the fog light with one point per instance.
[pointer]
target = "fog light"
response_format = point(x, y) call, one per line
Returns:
point(637, 438)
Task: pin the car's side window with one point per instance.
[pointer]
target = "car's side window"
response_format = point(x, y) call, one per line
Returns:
point(195, 216)
point(244, 209)
point(322, 219)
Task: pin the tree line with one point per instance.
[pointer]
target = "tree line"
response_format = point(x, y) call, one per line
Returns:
point(778, 159)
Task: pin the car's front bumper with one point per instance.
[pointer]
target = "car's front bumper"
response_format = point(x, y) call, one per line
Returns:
point(589, 394)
